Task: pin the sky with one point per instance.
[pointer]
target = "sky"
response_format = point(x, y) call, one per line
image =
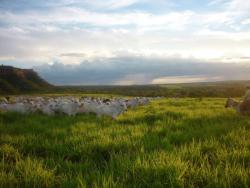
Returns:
point(124, 42)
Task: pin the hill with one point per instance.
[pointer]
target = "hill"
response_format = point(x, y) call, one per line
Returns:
point(15, 80)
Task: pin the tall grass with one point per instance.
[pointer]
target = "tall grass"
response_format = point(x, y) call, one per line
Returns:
point(169, 143)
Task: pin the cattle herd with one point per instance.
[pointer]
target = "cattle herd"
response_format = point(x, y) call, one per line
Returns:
point(71, 106)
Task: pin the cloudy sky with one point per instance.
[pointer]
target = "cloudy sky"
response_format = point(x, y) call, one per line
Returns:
point(127, 41)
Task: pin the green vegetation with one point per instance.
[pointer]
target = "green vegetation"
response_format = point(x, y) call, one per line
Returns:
point(169, 143)
point(213, 89)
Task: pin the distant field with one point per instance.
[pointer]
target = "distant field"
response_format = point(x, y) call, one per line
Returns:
point(205, 89)
point(169, 143)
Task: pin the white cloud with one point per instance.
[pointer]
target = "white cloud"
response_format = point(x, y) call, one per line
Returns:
point(80, 16)
point(246, 22)
point(107, 4)
point(43, 35)
point(186, 79)
point(113, 4)
point(46, 46)
point(224, 35)
point(239, 5)
point(216, 2)
point(233, 5)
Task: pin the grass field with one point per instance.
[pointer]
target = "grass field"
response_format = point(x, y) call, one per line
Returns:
point(169, 143)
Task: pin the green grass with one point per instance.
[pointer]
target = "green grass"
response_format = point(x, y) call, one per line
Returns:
point(169, 143)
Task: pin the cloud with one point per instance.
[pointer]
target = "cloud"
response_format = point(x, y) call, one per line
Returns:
point(93, 4)
point(216, 2)
point(248, 58)
point(225, 35)
point(232, 5)
point(65, 27)
point(111, 4)
point(76, 16)
point(74, 31)
point(245, 22)
point(73, 54)
point(127, 70)
point(239, 5)
point(186, 79)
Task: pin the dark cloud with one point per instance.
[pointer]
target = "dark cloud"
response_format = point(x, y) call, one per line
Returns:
point(139, 70)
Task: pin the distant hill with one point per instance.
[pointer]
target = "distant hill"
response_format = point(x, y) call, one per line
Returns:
point(14, 80)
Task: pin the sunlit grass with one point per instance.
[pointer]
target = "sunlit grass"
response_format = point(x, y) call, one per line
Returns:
point(169, 143)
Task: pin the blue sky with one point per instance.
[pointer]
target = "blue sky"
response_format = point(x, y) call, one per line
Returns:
point(73, 32)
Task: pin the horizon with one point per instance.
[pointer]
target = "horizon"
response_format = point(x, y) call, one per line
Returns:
point(127, 42)
point(150, 84)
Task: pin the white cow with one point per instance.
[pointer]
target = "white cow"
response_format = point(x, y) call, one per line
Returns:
point(113, 110)
point(132, 103)
point(16, 107)
point(90, 106)
point(46, 108)
point(69, 108)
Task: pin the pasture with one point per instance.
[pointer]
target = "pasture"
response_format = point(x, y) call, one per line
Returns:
point(169, 143)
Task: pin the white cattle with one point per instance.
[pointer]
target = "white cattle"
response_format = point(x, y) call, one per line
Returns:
point(90, 106)
point(132, 103)
point(69, 108)
point(143, 101)
point(16, 107)
point(46, 109)
point(72, 105)
point(113, 110)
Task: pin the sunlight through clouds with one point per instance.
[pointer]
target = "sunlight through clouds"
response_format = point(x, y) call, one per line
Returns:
point(72, 31)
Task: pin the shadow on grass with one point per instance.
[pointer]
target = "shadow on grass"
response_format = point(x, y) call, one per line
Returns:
point(46, 137)
point(183, 131)
point(151, 118)
point(16, 123)
point(189, 130)
point(151, 177)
